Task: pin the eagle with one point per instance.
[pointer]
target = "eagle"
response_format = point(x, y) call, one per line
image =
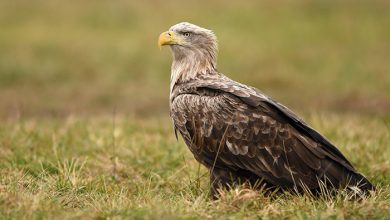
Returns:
point(240, 134)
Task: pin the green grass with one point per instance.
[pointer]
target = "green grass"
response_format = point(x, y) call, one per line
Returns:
point(105, 53)
point(66, 66)
point(98, 169)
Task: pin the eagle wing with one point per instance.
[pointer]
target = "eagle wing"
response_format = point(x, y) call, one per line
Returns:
point(229, 125)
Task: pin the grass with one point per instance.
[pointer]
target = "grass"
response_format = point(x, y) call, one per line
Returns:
point(93, 169)
point(66, 66)
point(105, 53)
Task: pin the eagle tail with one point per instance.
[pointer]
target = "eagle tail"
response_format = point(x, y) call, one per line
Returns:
point(358, 181)
point(338, 176)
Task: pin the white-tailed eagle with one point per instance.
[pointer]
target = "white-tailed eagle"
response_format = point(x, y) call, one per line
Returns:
point(239, 133)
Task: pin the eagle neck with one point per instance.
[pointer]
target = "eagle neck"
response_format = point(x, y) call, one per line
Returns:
point(191, 67)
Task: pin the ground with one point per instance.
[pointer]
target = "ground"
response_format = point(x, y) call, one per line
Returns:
point(124, 167)
point(85, 131)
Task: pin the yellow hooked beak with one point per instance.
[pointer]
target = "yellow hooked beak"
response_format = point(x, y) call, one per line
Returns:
point(168, 38)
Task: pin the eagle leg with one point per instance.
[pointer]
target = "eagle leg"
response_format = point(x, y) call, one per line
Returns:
point(221, 179)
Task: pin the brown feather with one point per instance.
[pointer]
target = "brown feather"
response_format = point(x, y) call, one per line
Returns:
point(237, 131)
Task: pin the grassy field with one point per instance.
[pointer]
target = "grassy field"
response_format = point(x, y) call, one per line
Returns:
point(85, 132)
point(129, 168)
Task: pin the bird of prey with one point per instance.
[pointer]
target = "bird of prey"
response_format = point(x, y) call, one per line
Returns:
point(239, 133)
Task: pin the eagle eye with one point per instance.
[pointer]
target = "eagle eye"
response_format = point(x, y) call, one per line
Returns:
point(187, 34)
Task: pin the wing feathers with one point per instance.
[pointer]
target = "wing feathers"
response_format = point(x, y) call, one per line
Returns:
point(253, 133)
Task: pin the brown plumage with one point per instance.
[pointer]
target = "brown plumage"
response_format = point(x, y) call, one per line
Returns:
point(240, 134)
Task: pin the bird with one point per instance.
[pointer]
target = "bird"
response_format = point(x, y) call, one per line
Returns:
point(242, 135)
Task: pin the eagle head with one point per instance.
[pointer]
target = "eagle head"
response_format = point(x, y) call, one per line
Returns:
point(189, 41)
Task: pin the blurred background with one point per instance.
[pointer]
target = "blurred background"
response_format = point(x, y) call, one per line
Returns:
point(87, 58)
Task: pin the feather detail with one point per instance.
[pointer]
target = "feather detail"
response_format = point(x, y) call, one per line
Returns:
point(268, 142)
point(238, 132)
